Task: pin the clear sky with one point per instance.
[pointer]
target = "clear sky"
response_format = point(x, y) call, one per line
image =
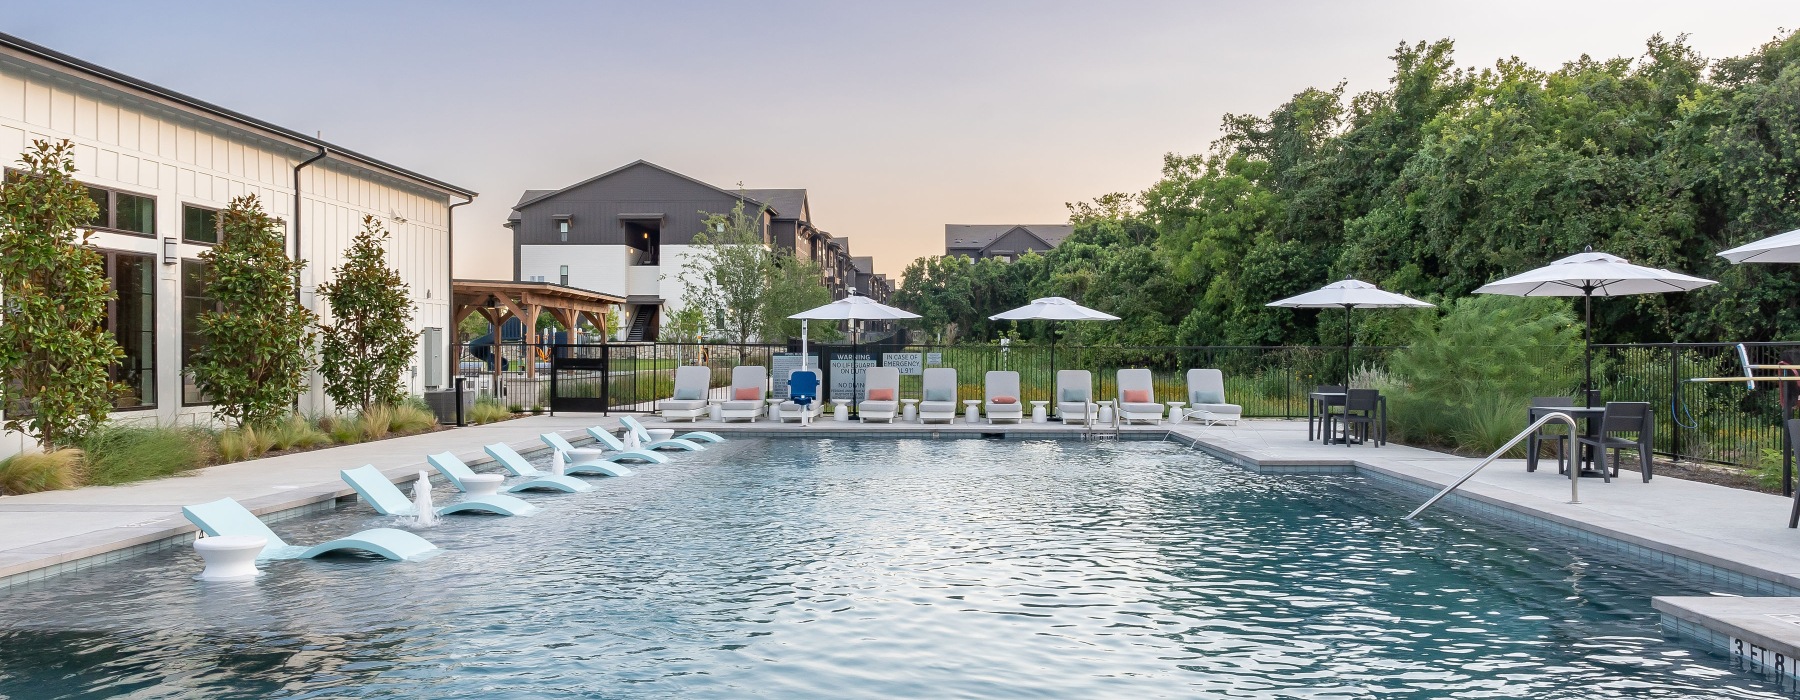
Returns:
point(898, 117)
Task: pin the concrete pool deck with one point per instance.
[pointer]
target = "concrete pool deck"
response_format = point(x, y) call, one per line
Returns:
point(1708, 534)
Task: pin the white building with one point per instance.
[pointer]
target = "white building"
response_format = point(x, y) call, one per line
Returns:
point(162, 163)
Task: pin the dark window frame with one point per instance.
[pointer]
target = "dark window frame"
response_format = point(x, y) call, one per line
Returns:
point(110, 213)
point(184, 233)
point(111, 261)
point(181, 313)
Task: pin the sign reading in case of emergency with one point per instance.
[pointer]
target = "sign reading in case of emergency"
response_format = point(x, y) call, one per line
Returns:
point(906, 362)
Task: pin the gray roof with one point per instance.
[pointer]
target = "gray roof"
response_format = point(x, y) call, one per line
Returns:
point(528, 196)
point(787, 204)
point(977, 236)
point(864, 264)
point(542, 194)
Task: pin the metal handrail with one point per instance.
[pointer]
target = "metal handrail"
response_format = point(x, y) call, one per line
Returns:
point(1574, 469)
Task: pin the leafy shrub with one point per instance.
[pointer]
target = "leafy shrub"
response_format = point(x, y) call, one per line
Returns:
point(122, 454)
point(40, 471)
point(487, 410)
point(409, 419)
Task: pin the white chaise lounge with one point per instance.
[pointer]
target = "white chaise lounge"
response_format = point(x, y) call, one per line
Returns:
point(692, 382)
point(1137, 397)
point(749, 385)
point(1002, 388)
point(1206, 398)
point(881, 396)
point(1074, 395)
point(939, 402)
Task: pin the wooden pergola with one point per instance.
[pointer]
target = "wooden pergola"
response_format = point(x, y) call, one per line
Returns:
point(495, 300)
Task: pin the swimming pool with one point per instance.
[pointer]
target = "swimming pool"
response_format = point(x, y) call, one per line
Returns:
point(879, 568)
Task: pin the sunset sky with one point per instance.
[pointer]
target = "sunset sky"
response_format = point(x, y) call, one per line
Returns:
point(898, 117)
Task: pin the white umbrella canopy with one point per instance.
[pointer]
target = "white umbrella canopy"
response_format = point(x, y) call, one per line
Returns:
point(1779, 248)
point(1053, 309)
point(854, 307)
point(1590, 274)
point(1350, 294)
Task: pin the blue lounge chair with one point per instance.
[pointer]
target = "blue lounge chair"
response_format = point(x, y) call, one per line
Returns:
point(516, 463)
point(226, 517)
point(387, 499)
point(644, 434)
point(606, 464)
point(644, 437)
point(611, 442)
point(454, 470)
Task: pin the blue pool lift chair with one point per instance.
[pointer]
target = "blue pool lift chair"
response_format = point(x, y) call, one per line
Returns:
point(591, 461)
point(454, 470)
point(674, 443)
point(226, 517)
point(803, 395)
point(388, 499)
point(613, 443)
point(512, 461)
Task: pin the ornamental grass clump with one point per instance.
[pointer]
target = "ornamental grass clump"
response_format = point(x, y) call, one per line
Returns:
point(487, 410)
point(376, 421)
point(118, 454)
point(41, 471)
point(239, 444)
point(295, 432)
point(409, 419)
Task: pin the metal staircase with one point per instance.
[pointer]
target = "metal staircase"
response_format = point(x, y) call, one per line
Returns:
point(641, 321)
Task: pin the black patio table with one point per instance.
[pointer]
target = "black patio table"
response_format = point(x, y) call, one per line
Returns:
point(1589, 416)
point(1318, 402)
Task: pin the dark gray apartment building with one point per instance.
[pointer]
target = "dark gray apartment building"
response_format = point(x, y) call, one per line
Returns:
point(1005, 241)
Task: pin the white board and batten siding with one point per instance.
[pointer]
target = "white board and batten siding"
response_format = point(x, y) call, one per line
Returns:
point(133, 143)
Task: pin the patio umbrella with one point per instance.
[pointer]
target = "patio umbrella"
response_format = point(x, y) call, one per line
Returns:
point(1053, 309)
point(1349, 294)
point(1589, 274)
point(851, 308)
point(1779, 248)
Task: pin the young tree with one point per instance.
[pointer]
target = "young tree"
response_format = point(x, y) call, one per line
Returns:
point(54, 352)
point(366, 345)
point(257, 346)
point(794, 286)
point(726, 274)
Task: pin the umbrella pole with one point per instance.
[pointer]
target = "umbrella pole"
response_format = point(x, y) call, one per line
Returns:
point(1349, 337)
point(803, 344)
point(1587, 387)
point(1053, 362)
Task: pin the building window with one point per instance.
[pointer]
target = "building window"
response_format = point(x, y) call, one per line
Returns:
point(194, 302)
point(123, 211)
point(563, 273)
point(131, 318)
point(199, 224)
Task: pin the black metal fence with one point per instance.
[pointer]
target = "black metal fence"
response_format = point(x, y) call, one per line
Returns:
point(1706, 421)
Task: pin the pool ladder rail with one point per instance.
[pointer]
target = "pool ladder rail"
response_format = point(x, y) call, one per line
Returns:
point(1096, 430)
point(1574, 469)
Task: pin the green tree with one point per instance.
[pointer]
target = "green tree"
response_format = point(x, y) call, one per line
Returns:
point(726, 274)
point(367, 344)
point(257, 346)
point(683, 325)
point(793, 286)
point(54, 352)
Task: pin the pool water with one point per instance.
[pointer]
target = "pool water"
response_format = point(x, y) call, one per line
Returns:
point(847, 568)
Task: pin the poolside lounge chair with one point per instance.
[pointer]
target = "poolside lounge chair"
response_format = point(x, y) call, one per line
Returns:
point(881, 395)
point(1074, 395)
point(1002, 387)
point(595, 460)
point(387, 499)
point(1137, 397)
point(685, 442)
point(940, 395)
point(454, 470)
point(226, 517)
point(512, 461)
point(692, 382)
point(1206, 398)
point(749, 384)
point(803, 397)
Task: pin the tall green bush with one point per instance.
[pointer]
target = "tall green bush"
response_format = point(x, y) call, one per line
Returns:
point(1466, 377)
point(257, 345)
point(54, 350)
point(367, 345)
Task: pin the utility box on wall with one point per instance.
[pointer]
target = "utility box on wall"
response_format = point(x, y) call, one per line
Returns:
point(432, 356)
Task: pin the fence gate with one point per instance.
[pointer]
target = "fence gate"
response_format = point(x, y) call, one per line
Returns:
point(578, 379)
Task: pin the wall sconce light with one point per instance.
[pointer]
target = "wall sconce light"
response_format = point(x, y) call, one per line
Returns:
point(170, 254)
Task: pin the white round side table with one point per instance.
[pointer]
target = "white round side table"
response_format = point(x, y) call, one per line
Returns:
point(229, 558)
point(972, 414)
point(1175, 414)
point(840, 413)
point(1037, 412)
point(911, 410)
point(774, 409)
point(482, 484)
point(715, 409)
